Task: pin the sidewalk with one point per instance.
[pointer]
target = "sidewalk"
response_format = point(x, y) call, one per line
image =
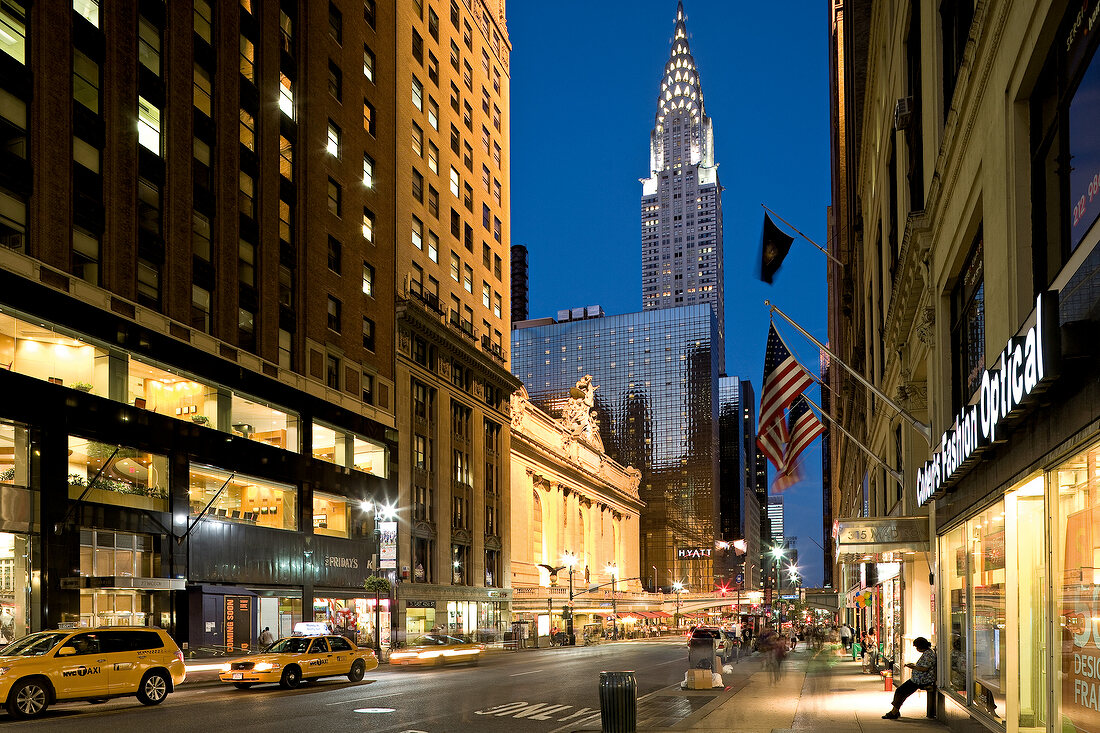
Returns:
point(825, 693)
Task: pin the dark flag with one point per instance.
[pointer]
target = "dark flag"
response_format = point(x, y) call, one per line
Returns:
point(774, 245)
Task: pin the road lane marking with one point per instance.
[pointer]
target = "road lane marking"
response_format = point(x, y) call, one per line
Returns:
point(671, 661)
point(361, 699)
point(520, 674)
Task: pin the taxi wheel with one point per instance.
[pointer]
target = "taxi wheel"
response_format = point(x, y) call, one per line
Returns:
point(153, 689)
point(242, 685)
point(357, 670)
point(292, 677)
point(28, 699)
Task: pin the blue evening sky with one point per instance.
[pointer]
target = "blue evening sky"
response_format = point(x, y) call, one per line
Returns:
point(585, 78)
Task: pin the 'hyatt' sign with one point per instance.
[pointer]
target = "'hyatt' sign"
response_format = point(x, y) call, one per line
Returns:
point(1025, 363)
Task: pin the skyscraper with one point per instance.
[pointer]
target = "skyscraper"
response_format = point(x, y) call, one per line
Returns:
point(681, 209)
point(739, 507)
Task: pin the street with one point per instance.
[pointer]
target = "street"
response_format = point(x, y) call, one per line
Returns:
point(550, 691)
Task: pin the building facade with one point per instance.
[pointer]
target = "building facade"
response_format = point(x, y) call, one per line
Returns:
point(681, 208)
point(452, 316)
point(189, 437)
point(989, 316)
point(570, 502)
point(738, 504)
point(657, 409)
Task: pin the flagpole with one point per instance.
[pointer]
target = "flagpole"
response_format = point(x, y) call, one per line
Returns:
point(920, 427)
point(792, 226)
point(893, 473)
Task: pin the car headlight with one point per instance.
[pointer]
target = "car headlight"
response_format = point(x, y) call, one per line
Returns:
point(265, 666)
point(226, 667)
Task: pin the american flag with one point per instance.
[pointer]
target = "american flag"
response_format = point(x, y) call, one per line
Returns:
point(804, 427)
point(771, 442)
point(784, 380)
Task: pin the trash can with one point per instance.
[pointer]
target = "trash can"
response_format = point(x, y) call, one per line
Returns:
point(618, 702)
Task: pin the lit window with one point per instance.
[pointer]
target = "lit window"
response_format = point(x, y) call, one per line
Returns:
point(417, 233)
point(455, 182)
point(418, 94)
point(334, 308)
point(486, 293)
point(148, 125)
point(286, 158)
point(203, 17)
point(368, 279)
point(497, 305)
point(455, 266)
point(468, 279)
point(89, 10)
point(248, 131)
point(13, 30)
point(333, 146)
point(433, 157)
point(368, 63)
point(433, 113)
point(148, 44)
point(368, 171)
point(368, 225)
point(433, 246)
point(85, 81)
point(248, 59)
point(202, 90)
point(286, 95)
point(418, 140)
point(368, 117)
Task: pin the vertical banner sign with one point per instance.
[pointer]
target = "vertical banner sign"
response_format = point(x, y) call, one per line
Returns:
point(1080, 629)
point(388, 558)
point(238, 622)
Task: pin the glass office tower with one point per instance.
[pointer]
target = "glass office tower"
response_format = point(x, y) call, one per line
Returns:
point(657, 405)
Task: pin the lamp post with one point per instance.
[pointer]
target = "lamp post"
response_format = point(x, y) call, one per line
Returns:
point(777, 553)
point(677, 586)
point(569, 560)
point(613, 570)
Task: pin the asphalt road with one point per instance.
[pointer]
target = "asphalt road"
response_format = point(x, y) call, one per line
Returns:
point(549, 691)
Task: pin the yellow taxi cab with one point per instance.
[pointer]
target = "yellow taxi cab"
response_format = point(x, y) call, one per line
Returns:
point(438, 649)
point(291, 660)
point(88, 664)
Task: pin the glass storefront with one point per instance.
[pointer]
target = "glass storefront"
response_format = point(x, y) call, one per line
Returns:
point(353, 618)
point(16, 586)
point(349, 450)
point(242, 499)
point(112, 474)
point(419, 621)
point(107, 554)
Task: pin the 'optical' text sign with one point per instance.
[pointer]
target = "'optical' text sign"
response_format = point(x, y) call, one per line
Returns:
point(1024, 364)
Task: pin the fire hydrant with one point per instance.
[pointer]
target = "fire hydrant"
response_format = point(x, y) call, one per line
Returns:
point(887, 681)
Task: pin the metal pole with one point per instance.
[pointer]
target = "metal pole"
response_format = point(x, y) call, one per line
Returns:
point(792, 226)
point(569, 625)
point(896, 475)
point(614, 608)
point(920, 427)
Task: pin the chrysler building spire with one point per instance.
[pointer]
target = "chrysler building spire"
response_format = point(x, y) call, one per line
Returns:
point(681, 208)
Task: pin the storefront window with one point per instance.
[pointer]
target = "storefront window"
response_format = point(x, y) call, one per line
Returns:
point(1076, 551)
point(953, 572)
point(987, 574)
point(168, 393)
point(50, 354)
point(353, 618)
point(330, 514)
point(264, 422)
point(419, 621)
point(1031, 573)
point(105, 554)
point(242, 499)
point(348, 450)
point(111, 474)
point(16, 576)
point(14, 456)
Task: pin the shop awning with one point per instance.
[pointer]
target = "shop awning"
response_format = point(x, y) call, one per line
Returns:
point(886, 539)
point(660, 614)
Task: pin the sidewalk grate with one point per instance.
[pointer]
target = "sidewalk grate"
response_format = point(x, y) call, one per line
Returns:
point(663, 711)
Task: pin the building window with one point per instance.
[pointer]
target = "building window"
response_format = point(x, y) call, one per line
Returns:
point(368, 117)
point(13, 120)
point(433, 113)
point(496, 229)
point(335, 254)
point(333, 145)
point(13, 30)
point(85, 154)
point(433, 246)
point(286, 287)
point(286, 349)
point(417, 94)
point(200, 308)
point(202, 90)
point(433, 68)
point(248, 130)
point(149, 125)
point(368, 279)
point(498, 307)
point(496, 266)
point(243, 499)
point(367, 171)
point(85, 81)
point(85, 255)
point(286, 95)
point(468, 278)
point(368, 334)
point(335, 196)
point(433, 201)
point(368, 225)
point(248, 59)
point(334, 307)
point(149, 207)
point(335, 23)
point(368, 388)
point(247, 196)
point(433, 158)
point(286, 222)
point(286, 158)
point(417, 233)
point(456, 265)
point(148, 283)
point(417, 47)
point(496, 191)
point(369, 12)
point(496, 154)
point(968, 330)
point(246, 263)
point(200, 236)
point(335, 82)
point(368, 63)
point(148, 45)
point(332, 375)
point(456, 224)
point(486, 294)
point(455, 182)
point(417, 185)
point(202, 20)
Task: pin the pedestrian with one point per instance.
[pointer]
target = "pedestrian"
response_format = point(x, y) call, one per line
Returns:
point(924, 675)
point(266, 638)
point(870, 651)
point(846, 636)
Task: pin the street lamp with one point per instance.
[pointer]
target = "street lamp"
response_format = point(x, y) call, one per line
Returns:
point(613, 570)
point(677, 586)
point(569, 560)
point(777, 553)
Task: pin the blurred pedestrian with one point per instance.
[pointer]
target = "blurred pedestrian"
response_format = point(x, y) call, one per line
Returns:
point(846, 636)
point(266, 638)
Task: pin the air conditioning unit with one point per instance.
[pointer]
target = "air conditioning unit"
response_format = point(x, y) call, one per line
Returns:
point(903, 113)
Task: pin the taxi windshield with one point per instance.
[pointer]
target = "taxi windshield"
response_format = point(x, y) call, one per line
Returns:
point(290, 645)
point(34, 645)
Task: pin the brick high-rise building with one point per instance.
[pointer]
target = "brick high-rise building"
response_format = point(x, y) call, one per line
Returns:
point(681, 209)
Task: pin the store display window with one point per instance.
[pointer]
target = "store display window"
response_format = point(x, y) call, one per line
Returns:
point(17, 576)
point(1075, 486)
point(353, 618)
point(242, 499)
point(419, 621)
point(953, 575)
point(330, 514)
point(986, 534)
point(111, 474)
point(1028, 506)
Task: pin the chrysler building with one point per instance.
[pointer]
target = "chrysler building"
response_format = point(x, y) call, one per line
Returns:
point(681, 199)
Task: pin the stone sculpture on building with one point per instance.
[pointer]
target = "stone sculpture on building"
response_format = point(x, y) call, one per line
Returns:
point(579, 415)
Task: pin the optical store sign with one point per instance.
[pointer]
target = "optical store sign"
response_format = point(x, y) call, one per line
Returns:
point(1026, 362)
